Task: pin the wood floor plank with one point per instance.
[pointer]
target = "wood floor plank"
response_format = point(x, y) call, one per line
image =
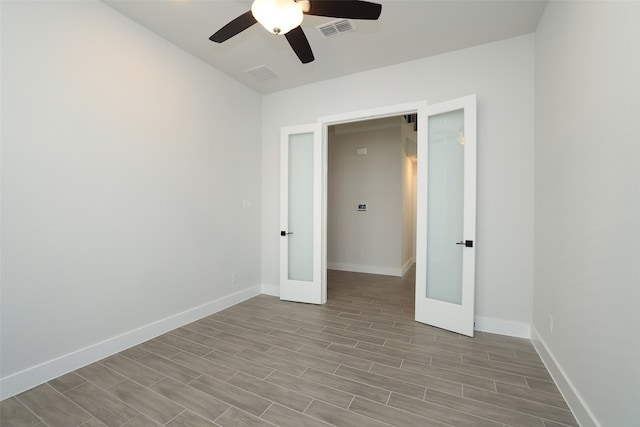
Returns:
point(273, 341)
point(483, 410)
point(360, 360)
point(191, 398)
point(340, 417)
point(439, 413)
point(14, 413)
point(411, 352)
point(304, 322)
point(184, 344)
point(237, 418)
point(301, 338)
point(522, 405)
point(491, 374)
point(217, 344)
point(450, 348)
point(159, 348)
point(445, 374)
point(239, 364)
point(213, 323)
point(390, 415)
point(548, 386)
point(52, 407)
point(132, 369)
point(551, 399)
point(244, 342)
point(375, 394)
point(523, 361)
point(280, 416)
point(231, 395)
point(311, 389)
point(100, 375)
point(169, 368)
point(146, 401)
point(271, 391)
point(337, 357)
point(272, 362)
point(540, 374)
point(357, 336)
point(381, 381)
point(250, 326)
point(379, 333)
point(446, 386)
point(189, 419)
point(204, 366)
point(366, 355)
point(304, 359)
point(67, 382)
point(140, 421)
point(102, 405)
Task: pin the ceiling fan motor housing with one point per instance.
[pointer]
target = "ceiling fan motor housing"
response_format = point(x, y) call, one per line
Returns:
point(277, 16)
point(285, 16)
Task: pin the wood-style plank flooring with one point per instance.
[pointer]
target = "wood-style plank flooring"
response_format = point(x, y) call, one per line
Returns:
point(358, 361)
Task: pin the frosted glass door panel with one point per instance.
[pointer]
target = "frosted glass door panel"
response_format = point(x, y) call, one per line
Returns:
point(445, 206)
point(300, 210)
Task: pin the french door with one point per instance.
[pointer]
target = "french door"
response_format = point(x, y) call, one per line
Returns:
point(445, 264)
point(301, 214)
point(445, 231)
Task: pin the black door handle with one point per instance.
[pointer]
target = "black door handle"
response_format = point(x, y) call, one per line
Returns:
point(466, 243)
point(284, 233)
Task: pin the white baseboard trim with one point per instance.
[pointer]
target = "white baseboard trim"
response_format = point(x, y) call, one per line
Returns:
point(579, 408)
point(36, 375)
point(407, 265)
point(361, 268)
point(272, 290)
point(502, 327)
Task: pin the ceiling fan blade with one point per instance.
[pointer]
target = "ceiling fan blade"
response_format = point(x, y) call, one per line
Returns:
point(234, 27)
point(300, 44)
point(353, 9)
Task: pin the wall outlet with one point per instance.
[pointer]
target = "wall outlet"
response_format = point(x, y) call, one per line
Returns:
point(550, 323)
point(234, 277)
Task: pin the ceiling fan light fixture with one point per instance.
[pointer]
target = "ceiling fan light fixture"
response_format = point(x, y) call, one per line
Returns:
point(277, 16)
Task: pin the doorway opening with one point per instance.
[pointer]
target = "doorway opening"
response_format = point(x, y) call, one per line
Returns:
point(447, 184)
point(371, 209)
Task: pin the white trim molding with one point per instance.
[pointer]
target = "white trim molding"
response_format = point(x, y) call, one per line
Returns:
point(502, 327)
point(407, 265)
point(39, 374)
point(273, 290)
point(578, 407)
point(361, 268)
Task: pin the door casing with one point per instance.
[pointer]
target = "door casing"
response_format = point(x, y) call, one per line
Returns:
point(421, 108)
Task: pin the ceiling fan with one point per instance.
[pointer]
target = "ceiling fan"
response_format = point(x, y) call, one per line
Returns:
point(285, 16)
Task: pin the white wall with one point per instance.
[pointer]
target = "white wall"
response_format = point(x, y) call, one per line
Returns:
point(371, 241)
point(124, 165)
point(587, 191)
point(502, 76)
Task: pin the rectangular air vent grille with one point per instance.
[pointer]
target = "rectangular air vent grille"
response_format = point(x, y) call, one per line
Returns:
point(262, 73)
point(336, 27)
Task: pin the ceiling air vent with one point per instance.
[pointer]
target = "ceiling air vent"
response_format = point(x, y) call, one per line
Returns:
point(336, 27)
point(262, 73)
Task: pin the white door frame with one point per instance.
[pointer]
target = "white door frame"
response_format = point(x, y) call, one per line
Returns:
point(419, 107)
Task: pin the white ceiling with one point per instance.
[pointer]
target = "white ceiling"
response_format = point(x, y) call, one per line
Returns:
point(406, 30)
